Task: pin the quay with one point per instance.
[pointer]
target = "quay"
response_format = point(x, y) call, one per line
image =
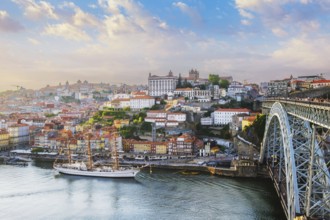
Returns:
point(241, 167)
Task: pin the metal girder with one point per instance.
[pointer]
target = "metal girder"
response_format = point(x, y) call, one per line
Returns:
point(296, 161)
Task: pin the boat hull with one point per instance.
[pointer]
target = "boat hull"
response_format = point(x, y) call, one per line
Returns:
point(129, 173)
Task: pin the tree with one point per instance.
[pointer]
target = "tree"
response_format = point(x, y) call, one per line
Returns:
point(179, 85)
point(186, 84)
point(224, 84)
point(214, 79)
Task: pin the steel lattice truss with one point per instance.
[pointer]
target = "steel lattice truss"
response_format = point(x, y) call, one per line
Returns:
point(296, 163)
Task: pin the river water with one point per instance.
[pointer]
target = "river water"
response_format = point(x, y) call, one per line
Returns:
point(38, 192)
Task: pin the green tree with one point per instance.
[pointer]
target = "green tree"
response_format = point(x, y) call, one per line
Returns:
point(186, 84)
point(179, 85)
point(214, 79)
point(224, 84)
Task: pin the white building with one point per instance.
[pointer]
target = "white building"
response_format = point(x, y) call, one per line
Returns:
point(156, 114)
point(320, 83)
point(185, 92)
point(165, 119)
point(162, 85)
point(223, 116)
point(207, 121)
point(235, 88)
point(176, 116)
point(19, 133)
point(141, 102)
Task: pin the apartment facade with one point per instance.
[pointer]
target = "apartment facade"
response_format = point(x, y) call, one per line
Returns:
point(224, 116)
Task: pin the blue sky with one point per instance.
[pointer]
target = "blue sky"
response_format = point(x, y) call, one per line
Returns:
point(121, 41)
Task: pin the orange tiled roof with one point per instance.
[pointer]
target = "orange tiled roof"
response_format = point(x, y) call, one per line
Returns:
point(233, 110)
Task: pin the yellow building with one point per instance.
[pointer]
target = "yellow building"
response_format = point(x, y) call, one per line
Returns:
point(119, 123)
point(4, 139)
point(161, 148)
point(247, 121)
point(142, 147)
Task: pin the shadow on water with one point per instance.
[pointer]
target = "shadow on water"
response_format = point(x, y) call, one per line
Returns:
point(42, 164)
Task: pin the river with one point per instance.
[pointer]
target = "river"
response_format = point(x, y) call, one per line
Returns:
point(38, 192)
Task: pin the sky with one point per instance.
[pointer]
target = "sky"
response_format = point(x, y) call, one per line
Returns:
point(122, 41)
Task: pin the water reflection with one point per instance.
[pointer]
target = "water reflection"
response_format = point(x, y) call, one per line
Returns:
point(28, 192)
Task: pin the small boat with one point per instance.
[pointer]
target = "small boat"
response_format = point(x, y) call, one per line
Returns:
point(189, 172)
point(83, 169)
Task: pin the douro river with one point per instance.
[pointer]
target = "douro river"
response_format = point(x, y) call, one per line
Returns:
point(38, 192)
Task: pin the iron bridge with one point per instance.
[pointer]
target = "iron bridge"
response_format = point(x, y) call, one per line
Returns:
point(295, 149)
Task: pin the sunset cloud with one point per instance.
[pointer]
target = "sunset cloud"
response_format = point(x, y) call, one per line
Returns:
point(8, 24)
point(123, 40)
point(37, 9)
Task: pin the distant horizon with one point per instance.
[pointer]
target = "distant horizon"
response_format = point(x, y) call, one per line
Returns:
point(119, 41)
point(137, 84)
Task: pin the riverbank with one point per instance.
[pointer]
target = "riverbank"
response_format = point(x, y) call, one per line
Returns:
point(236, 168)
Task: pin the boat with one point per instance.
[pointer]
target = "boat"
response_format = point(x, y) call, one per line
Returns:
point(189, 172)
point(88, 169)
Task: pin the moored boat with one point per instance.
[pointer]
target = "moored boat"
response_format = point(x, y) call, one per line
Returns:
point(82, 169)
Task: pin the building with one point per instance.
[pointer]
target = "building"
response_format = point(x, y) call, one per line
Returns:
point(19, 133)
point(161, 85)
point(236, 124)
point(224, 116)
point(140, 102)
point(247, 121)
point(320, 83)
point(182, 145)
point(235, 88)
point(143, 147)
point(207, 121)
point(184, 92)
point(176, 116)
point(119, 123)
point(277, 88)
point(4, 139)
point(194, 93)
point(165, 119)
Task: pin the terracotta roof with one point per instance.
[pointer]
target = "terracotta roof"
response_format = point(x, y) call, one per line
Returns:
point(233, 110)
point(321, 81)
point(156, 111)
point(183, 89)
point(143, 97)
point(176, 113)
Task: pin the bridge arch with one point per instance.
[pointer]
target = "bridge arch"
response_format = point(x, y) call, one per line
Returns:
point(278, 152)
point(296, 158)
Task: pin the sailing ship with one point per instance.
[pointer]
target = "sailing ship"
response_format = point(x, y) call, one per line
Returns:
point(82, 169)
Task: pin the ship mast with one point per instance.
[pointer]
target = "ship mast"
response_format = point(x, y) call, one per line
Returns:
point(68, 145)
point(115, 152)
point(89, 152)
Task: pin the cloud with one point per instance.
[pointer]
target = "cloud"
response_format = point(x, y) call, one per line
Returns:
point(7, 24)
point(284, 17)
point(279, 32)
point(245, 14)
point(305, 53)
point(191, 12)
point(37, 10)
point(245, 22)
point(93, 6)
point(67, 31)
point(80, 18)
point(33, 41)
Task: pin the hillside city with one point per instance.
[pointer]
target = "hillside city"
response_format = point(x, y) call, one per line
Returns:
point(173, 117)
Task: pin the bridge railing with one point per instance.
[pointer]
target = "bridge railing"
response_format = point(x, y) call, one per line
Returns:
point(314, 111)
